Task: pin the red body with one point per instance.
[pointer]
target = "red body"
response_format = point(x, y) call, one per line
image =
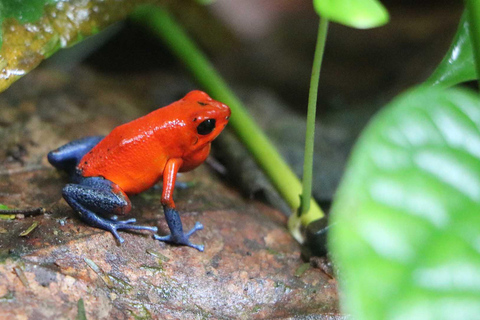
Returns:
point(135, 155)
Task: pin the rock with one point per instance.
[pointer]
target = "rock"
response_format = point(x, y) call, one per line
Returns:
point(246, 272)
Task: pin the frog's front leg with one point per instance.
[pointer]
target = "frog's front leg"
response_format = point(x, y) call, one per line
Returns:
point(174, 222)
point(96, 196)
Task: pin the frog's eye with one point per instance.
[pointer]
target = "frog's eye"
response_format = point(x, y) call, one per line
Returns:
point(205, 127)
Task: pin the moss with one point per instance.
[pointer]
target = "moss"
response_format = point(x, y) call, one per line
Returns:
point(9, 296)
point(119, 285)
point(142, 312)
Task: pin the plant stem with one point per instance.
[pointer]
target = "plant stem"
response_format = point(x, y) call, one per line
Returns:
point(266, 155)
point(473, 9)
point(312, 107)
point(305, 215)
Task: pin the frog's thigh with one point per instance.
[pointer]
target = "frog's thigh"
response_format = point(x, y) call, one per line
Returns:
point(98, 195)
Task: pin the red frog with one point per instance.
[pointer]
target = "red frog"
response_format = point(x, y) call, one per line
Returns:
point(134, 157)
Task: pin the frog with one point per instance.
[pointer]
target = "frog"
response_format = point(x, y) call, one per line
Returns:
point(105, 170)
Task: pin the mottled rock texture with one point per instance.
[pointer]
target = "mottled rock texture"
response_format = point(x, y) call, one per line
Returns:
point(246, 272)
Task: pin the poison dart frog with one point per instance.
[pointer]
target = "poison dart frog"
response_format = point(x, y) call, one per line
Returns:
point(104, 170)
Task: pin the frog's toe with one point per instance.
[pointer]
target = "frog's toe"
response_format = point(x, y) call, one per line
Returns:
point(129, 221)
point(127, 225)
point(163, 238)
point(198, 226)
point(114, 225)
point(117, 236)
point(199, 247)
point(182, 239)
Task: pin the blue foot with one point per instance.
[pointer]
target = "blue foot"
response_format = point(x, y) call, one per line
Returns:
point(182, 238)
point(114, 225)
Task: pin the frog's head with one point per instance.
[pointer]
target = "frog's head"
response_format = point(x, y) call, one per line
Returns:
point(207, 119)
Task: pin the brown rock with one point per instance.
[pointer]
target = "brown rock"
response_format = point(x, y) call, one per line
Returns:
point(246, 272)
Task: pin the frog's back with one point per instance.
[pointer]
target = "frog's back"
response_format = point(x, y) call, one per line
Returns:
point(131, 156)
point(134, 155)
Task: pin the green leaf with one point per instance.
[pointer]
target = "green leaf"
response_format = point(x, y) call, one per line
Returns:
point(205, 2)
point(458, 65)
point(81, 314)
point(52, 24)
point(360, 14)
point(4, 207)
point(24, 10)
point(406, 234)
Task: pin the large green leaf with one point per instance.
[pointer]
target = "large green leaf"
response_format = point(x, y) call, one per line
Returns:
point(32, 30)
point(24, 11)
point(406, 233)
point(458, 65)
point(360, 14)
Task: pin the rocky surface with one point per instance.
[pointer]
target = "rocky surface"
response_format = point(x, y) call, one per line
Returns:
point(251, 268)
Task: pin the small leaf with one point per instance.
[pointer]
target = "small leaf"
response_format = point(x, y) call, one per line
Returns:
point(360, 14)
point(4, 207)
point(458, 65)
point(29, 229)
point(81, 314)
point(406, 233)
point(21, 275)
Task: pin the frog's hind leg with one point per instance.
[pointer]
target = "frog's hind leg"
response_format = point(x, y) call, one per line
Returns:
point(96, 196)
point(69, 155)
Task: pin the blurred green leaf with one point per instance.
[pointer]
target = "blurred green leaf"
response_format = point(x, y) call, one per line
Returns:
point(4, 207)
point(360, 14)
point(24, 11)
point(458, 65)
point(33, 30)
point(81, 314)
point(406, 232)
point(205, 2)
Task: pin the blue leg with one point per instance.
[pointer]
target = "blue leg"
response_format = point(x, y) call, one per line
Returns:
point(97, 196)
point(68, 156)
point(177, 236)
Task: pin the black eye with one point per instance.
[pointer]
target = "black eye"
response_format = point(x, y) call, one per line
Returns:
point(206, 127)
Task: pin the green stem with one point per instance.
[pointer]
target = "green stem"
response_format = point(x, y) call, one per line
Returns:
point(473, 9)
point(282, 177)
point(306, 215)
point(312, 107)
